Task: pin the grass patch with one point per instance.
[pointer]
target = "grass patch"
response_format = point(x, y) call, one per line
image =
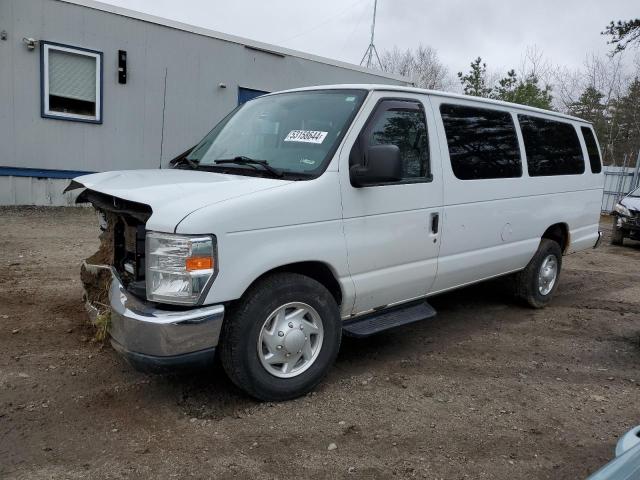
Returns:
point(102, 324)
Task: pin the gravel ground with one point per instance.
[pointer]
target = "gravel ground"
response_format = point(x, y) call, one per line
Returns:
point(487, 390)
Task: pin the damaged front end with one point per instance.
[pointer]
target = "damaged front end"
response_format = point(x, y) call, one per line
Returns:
point(121, 250)
point(151, 336)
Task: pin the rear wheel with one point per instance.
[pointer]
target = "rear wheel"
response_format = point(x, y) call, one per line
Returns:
point(617, 233)
point(282, 337)
point(539, 280)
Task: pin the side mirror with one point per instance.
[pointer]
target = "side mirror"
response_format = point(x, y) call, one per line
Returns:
point(382, 165)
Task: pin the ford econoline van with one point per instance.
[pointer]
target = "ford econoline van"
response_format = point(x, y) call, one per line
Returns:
point(310, 214)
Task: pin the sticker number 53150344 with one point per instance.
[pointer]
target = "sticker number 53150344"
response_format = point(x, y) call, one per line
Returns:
point(306, 136)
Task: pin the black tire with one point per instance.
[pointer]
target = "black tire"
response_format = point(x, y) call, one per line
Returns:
point(617, 233)
point(527, 283)
point(241, 330)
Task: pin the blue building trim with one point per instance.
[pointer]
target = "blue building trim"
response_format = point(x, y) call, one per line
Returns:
point(40, 172)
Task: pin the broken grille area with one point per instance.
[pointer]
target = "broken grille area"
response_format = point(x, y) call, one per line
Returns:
point(128, 253)
point(122, 241)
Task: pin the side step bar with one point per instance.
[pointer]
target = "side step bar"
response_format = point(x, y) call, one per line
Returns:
point(382, 320)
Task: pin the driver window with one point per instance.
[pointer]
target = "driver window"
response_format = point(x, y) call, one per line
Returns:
point(402, 123)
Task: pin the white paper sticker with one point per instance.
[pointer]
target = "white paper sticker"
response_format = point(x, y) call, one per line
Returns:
point(306, 136)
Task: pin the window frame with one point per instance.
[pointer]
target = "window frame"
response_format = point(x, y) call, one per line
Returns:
point(365, 133)
point(589, 129)
point(45, 112)
point(514, 124)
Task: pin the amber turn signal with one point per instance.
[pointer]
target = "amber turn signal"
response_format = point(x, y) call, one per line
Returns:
point(198, 263)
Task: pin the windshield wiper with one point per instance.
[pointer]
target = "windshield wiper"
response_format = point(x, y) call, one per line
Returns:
point(177, 163)
point(242, 160)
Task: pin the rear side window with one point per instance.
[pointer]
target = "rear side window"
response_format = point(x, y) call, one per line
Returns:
point(552, 147)
point(482, 142)
point(592, 150)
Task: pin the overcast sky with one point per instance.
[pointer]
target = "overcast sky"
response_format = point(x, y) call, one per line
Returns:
point(498, 30)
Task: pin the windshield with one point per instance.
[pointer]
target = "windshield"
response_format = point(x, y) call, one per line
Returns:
point(635, 193)
point(295, 132)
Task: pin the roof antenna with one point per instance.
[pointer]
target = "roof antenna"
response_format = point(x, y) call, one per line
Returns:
point(371, 49)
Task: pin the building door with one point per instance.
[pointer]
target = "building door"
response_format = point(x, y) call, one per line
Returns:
point(246, 94)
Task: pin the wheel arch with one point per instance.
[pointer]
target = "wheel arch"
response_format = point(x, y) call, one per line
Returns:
point(559, 232)
point(319, 271)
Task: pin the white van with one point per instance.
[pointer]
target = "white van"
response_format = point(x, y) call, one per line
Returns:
point(312, 213)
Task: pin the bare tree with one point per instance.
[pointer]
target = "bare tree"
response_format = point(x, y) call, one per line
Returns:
point(568, 85)
point(595, 91)
point(604, 74)
point(421, 65)
point(533, 64)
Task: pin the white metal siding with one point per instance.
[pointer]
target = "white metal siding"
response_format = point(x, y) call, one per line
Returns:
point(36, 191)
point(132, 134)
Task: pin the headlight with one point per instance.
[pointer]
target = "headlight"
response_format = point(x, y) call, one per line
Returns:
point(622, 210)
point(178, 267)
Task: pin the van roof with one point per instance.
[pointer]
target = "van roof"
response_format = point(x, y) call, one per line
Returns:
point(437, 93)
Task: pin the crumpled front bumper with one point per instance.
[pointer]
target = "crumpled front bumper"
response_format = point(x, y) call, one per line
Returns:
point(153, 339)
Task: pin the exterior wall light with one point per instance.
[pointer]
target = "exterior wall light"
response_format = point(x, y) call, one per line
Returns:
point(30, 43)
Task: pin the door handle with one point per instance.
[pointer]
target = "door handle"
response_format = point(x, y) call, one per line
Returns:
point(435, 221)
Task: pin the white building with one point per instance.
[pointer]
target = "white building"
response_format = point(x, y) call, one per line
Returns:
point(89, 87)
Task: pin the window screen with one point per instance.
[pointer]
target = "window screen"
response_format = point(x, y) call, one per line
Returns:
point(71, 85)
point(482, 142)
point(592, 149)
point(552, 147)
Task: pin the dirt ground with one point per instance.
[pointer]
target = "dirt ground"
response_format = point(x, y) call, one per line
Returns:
point(487, 390)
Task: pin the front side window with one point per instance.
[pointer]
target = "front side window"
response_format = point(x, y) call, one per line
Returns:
point(592, 149)
point(482, 142)
point(552, 147)
point(71, 83)
point(407, 129)
point(401, 123)
point(296, 133)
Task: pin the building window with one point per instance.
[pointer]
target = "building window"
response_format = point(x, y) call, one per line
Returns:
point(71, 80)
point(552, 147)
point(482, 142)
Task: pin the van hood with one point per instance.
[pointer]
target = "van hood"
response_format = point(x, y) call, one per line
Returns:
point(632, 203)
point(173, 194)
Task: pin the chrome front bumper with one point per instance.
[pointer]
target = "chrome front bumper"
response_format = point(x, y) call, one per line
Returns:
point(155, 339)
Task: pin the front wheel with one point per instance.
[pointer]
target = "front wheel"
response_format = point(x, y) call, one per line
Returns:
point(539, 280)
point(281, 338)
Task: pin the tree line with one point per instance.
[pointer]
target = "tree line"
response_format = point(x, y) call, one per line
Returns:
point(604, 91)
